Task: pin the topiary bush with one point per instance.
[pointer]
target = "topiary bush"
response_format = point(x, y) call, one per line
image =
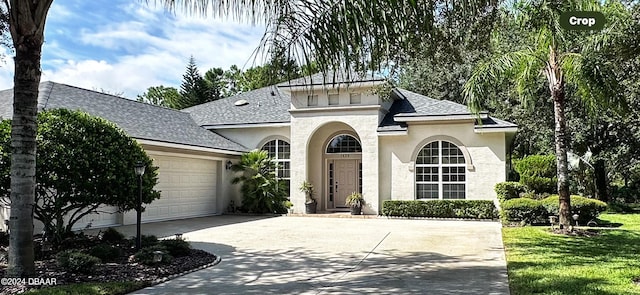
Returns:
point(523, 210)
point(76, 261)
point(538, 173)
point(146, 255)
point(176, 247)
point(587, 209)
point(112, 235)
point(509, 190)
point(106, 253)
point(480, 209)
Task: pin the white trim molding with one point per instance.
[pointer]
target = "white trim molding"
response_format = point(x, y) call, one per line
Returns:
point(186, 147)
point(246, 125)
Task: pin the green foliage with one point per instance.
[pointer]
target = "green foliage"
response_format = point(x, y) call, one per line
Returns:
point(354, 200)
point(94, 288)
point(162, 96)
point(538, 173)
point(76, 261)
point(509, 190)
point(176, 247)
point(307, 189)
point(524, 210)
point(83, 162)
point(587, 209)
point(261, 190)
point(106, 253)
point(146, 255)
point(112, 235)
point(480, 209)
point(148, 240)
point(193, 90)
point(625, 194)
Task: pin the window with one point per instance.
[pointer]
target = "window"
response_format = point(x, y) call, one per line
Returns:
point(344, 143)
point(440, 172)
point(280, 151)
point(334, 99)
point(355, 98)
point(312, 100)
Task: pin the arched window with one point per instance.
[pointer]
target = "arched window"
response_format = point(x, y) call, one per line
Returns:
point(280, 151)
point(440, 171)
point(344, 143)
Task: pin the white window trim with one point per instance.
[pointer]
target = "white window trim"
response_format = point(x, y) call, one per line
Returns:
point(440, 182)
point(277, 157)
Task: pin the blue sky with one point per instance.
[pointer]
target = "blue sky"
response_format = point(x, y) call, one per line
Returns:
point(127, 46)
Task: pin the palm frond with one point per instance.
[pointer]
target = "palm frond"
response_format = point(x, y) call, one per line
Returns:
point(523, 65)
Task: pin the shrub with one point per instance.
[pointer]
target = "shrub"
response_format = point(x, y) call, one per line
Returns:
point(112, 235)
point(481, 209)
point(509, 190)
point(147, 240)
point(538, 173)
point(524, 210)
point(625, 194)
point(106, 252)
point(176, 247)
point(76, 261)
point(146, 255)
point(587, 209)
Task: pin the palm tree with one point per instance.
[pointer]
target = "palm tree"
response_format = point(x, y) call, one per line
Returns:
point(261, 190)
point(560, 57)
point(357, 34)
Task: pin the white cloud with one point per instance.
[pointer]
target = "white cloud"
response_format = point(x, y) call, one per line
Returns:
point(153, 49)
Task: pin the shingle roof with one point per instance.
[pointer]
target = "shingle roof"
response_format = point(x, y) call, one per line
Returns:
point(411, 104)
point(139, 120)
point(264, 105)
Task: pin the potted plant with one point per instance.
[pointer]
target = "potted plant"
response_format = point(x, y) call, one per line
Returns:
point(310, 204)
point(355, 201)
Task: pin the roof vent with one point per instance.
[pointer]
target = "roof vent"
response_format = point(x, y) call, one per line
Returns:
point(240, 102)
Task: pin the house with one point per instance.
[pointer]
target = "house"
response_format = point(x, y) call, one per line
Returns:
point(336, 132)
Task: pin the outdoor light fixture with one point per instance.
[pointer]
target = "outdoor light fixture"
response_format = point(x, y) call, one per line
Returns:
point(178, 236)
point(228, 165)
point(575, 218)
point(553, 220)
point(139, 168)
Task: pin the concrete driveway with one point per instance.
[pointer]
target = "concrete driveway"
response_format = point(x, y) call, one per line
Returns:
point(313, 255)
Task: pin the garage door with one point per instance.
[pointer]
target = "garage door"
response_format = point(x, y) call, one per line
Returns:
point(108, 216)
point(188, 188)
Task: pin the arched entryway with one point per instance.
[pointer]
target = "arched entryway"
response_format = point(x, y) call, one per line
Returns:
point(343, 169)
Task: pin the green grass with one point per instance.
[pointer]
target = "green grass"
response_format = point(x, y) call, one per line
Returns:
point(112, 288)
point(540, 262)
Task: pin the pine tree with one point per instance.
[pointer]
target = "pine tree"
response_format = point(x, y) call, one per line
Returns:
point(193, 90)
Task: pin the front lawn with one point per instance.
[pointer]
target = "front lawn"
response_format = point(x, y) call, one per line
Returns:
point(540, 262)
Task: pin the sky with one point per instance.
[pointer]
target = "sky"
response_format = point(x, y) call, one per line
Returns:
point(126, 46)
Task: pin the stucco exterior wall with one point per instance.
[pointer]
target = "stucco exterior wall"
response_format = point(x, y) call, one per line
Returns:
point(397, 159)
point(254, 138)
point(310, 133)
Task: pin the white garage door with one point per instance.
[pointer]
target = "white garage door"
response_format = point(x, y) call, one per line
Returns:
point(108, 216)
point(188, 188)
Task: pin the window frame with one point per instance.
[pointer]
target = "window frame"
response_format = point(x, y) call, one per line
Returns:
point(461, 165)
point(276, 158)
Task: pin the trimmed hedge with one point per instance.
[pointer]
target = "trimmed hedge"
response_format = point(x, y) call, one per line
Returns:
point(523, 210)
point(509, 190)
point(538, 173)
point(480, 209)
point(587, 209)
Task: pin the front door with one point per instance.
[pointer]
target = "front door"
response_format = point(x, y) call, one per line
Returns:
point(346, 180)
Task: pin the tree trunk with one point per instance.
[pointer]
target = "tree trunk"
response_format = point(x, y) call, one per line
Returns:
point(26, 23)
point(557, 95)
point(601, 180)
point(23, 158)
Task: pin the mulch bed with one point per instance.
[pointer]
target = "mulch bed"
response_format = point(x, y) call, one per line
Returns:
point(577, 232)
point(122, 270)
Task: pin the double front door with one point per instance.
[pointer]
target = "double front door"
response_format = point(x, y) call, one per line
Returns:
point(344, 178)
